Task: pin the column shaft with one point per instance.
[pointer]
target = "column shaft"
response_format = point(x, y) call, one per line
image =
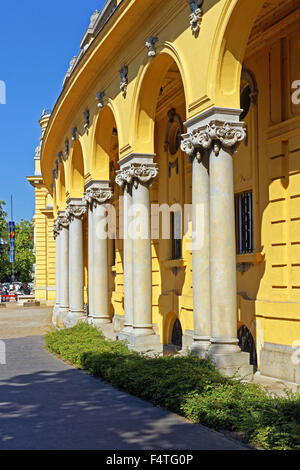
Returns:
point(57, 279)
point(142, 265)
point(100, 274)
point(200, 255)
point(63, 265)
point(76, 273)
point(223, 251)
point(90, 262)
point(128, 261)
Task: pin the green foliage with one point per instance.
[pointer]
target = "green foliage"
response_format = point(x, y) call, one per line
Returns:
point(186, 385)
point(5, 266)
point(24, 251)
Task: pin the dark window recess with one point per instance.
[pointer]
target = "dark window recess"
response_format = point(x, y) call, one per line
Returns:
point(245, 101)
point(113, 252)
point(177, 334)
point(247, 344)
point(176, 235)
point(244, 222)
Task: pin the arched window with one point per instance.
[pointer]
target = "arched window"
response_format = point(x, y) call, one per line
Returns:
point(177, 334)
point(249, 92)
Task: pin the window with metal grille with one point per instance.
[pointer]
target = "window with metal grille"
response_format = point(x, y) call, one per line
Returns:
point(244, 222)
point(176, 235)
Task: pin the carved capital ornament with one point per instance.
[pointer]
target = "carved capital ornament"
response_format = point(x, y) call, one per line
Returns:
point(97, 196)
point(214, 136)
point(76, 211)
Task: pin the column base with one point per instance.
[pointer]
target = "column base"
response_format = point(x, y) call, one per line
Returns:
point(231, 361)
point(61, 317)
point(106, 327)
point(90, 320)
point(145, 343)
point(55, 314)
point(73, 318)
point(200, 347)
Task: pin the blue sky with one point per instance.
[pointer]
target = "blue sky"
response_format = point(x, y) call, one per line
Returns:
point(37, 41)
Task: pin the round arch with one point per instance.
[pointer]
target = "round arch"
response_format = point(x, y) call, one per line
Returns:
point(60, 189)
point(227, 55)
point(76, 172)
point(147, 92)
point(105, 129)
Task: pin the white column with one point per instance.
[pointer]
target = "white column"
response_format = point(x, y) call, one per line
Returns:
point(219, 132)
point(200, 245)
point(98, 193)
point(127, 255)
point(76, 210)
point(63, 266)
point(90, 261)
point(140, 171)
point(56, 233)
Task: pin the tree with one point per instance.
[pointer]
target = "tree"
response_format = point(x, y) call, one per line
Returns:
point(25, 258)
point(5, 266)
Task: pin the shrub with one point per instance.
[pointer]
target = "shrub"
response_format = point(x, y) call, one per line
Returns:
point(187, 385)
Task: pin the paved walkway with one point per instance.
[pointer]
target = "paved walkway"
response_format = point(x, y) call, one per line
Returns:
point(47, 404)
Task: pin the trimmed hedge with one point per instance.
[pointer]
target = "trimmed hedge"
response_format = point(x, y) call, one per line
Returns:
point(186, 385)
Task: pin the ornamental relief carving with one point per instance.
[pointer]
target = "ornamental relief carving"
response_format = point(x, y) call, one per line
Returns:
point(137, 173)
point(214, 136)
point(196, 15)
point(97, 196)
point(76, 211)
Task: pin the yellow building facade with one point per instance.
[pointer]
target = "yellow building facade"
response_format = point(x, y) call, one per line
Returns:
point(193, 106)
point(44, 244)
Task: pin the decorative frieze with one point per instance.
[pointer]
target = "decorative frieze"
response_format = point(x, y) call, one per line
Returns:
point(214, 135)
point(151, 46)
point(196, 15)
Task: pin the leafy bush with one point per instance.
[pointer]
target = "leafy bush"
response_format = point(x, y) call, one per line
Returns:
point(186, 385)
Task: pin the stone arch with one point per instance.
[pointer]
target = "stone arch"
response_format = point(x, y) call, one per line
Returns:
point(147, 93)
point(227, 55)
point(76, 172)
point(60, 189)
point(105, 130)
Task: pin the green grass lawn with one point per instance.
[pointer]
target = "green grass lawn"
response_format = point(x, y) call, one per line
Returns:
point(186, 385)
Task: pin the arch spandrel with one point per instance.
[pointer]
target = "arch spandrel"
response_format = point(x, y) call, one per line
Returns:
point(148, 87)
point(60, 189)
point(227, 55)
point(98, 164)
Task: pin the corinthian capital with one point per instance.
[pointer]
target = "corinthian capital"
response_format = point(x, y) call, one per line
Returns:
point(95, 196)
point(124, 179)
point(143, 173)
point(56, 229)
point(76, 209)
point(213, 135)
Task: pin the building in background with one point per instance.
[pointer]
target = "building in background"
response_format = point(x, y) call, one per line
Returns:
point(180, 103)
point(44, 244)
